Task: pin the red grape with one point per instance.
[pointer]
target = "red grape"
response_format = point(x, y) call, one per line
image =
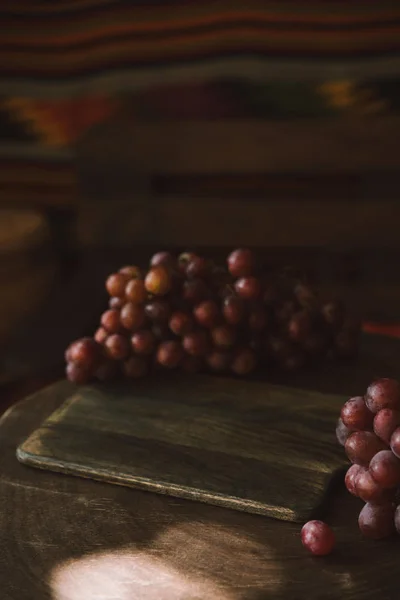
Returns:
point(257, 319)
point(385, 422)
point(285, 311)
point(115, 302)
point(195, 290)
point(218, 361)
point(191, 364)
point(135, 367)
point(158, 281)
point(395, 442)
point(170, 354)
point(84, 352)
point(223, 336)
point(77, 373)
point(299, 326)
point(248, 288)
point(383, 393)
point(376, 521)
point(342, 432)
point(161, 331)
point(318, 538)
point(196, 343)
point(131, 271)
point(162, 258)
point(361, 447)
point(135, 291)
point(101, 335)
point(158, 311)
point(143, 342)
point(385, 469)
point(333, 313)
point(181, 323)
point(369, 490)
point(233, 310)
point(111, 321)
point(355, 415)
point(132, 316)
point(117, 346)
point(241, 263)
point(184, 259)
point(115, 284)
point(244, 362)
point(197, 267)
point(106, 370)
point(207, 313)
point(351, 477)
point(305, 296)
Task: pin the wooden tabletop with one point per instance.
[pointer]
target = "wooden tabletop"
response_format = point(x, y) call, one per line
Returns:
point(67, 538)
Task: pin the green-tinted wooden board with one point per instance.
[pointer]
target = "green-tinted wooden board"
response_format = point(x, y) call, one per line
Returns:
point(245, 445)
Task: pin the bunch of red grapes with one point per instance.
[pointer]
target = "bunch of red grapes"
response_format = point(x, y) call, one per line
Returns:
point(187, 312)
point(369, 430)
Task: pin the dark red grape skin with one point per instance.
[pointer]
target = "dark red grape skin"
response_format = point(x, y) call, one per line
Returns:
point(294, 362)
point(318, 538)
point(355, 415)
point(197, 267)
point(196, 343)
point(257, 319)
point(143, 342)
point(207, 314)
point(351, 477)
point(115, 284)
point(77, 374)
point(162, 258)
point(244, 362)
point(397, 519)
point(170, 354)
point(385, 469)
point(333, 313)
point(131, 271)
point(191, 364)
point(132, 316)
point(342, 432)
point(395, 442)
point(101, 335)
point(385, 422)
point(117, 347)
point(158, 311)
point(135, 367)
point(110, 320)
point(376, 521)
point(115, 302)
point(369, 490)
point(383, 393)
point(241, 262)
point(181, 323)
point(361, 447)
point(305, 295)
point(223, 336)
point(106, 370)
point(195, 290)
point(158, 281)
point(233, 310)
point(248, 288)
point(135, 291)
point(218, 361)
point(84, 352)
point(299, 326)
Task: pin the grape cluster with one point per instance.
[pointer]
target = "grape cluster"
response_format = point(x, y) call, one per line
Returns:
point(369, 430)
point(190, 313)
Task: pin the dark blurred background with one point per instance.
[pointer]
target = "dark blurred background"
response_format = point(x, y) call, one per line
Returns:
point(128, 127)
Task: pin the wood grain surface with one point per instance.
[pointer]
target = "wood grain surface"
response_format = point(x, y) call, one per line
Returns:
point(246, 445)
point(68, 538)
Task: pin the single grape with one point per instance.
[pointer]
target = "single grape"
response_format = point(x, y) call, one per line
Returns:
point(257, 319)
point(385, 422)
point(244, 362)
point(158, 311)
point(158, 281)
point(355, 415)
point(132, 316)
point(248, 288)
point(115, 302)
point(181, 323)
point(241, 262)
point(223, 336)
point(395, 442)
point(369, 490)
point(207, 313)
point(135, 291)
point(351, 477)
point(143, 342)
point(170, 354)
point(376, 521)
point(77, 373)
point(106, 370)
point(299, 326)
point(115, 284)
point(218, 361)
point(361, 447)
point(197, 267)
point(383, 393)
point(279, 348)
point(305, 296)
point(196, 343)
point(135, 367)
point(131, 271)
point(84, 352)
point(318, 538)
point(233, 310)
point(333, 313)
point(111, 321)
point(101, 335)
point(195, 291)
point(161, 331)
point(162, 258)
point(342, 432)
point(191, 364)
point(117, 347)
point(184, 259)
point(385, 469)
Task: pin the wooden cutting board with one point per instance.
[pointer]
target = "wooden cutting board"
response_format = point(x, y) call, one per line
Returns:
point(245, 445)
